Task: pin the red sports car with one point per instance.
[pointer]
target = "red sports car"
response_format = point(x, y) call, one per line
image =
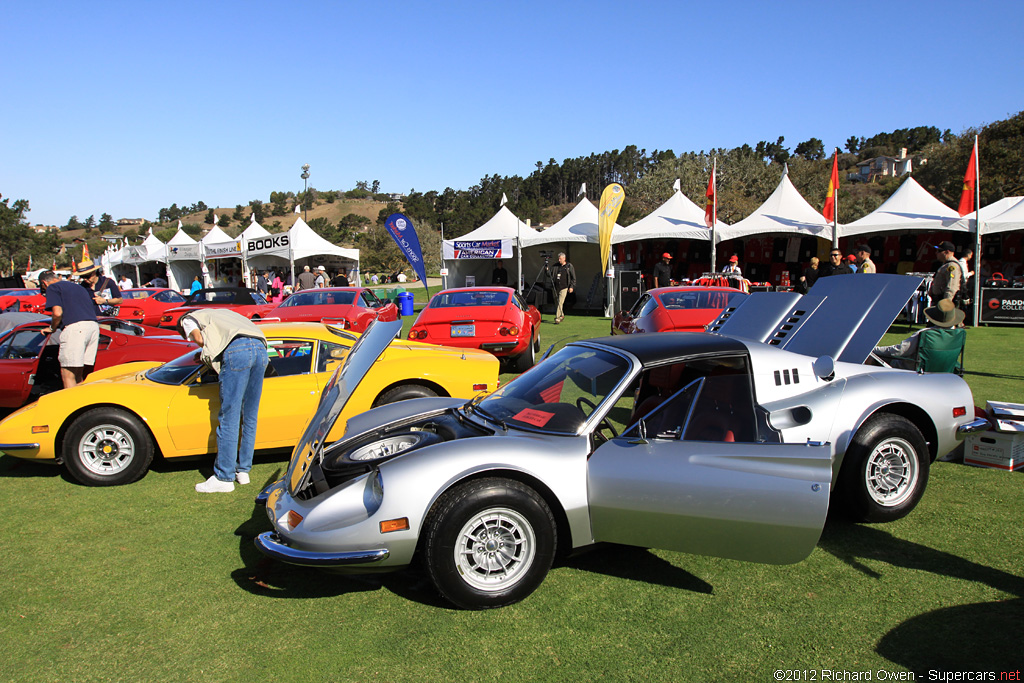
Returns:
point(686, 309)
point(29, 367)
point(350, 307)
point(494, 319)
point(145, 305)
point(247, 302)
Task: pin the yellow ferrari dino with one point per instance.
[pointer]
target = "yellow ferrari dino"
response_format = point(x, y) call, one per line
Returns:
point(107, 430)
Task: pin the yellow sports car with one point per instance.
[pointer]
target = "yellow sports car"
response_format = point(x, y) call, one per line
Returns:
point(107, 430)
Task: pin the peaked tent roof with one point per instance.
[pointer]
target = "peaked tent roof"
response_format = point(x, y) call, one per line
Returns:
point(785, 211)
point(1011, 219)
point(579, 225)
point(217, 236)
point(677, 218)
point(254, 230)
point(502, 225)
point(911, 207)
point(181, 237)
point(995, 208)
point(182, 247)
point(305, 243)
point(155, 249)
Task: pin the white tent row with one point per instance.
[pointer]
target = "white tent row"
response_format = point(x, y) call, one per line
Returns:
point(1010, 219)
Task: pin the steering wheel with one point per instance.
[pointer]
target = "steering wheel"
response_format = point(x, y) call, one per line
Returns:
point(603, 424)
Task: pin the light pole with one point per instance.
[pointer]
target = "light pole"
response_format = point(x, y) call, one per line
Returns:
point(305, 188)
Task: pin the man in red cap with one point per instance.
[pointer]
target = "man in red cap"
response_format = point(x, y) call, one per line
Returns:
point(733, 269)
point(662, 272)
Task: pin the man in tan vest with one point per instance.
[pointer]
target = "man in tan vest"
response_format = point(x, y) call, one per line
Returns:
point(233, 346)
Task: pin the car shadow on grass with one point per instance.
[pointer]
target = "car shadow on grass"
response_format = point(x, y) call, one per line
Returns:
point(15, 468)
point(635, 564)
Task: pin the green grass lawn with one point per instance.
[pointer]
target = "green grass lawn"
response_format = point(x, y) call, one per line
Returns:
point(153, 582)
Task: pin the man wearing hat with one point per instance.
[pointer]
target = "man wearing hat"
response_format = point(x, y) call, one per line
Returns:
point(104, 292)
point(321, 277)
point(662, 272)
point(74, 313)
point(863, 257)
point(947, 279)
point(733, 269)
point(904, 355)
point(305, 279)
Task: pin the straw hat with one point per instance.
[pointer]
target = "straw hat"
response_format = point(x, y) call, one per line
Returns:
point(944, 314)
point(86, 267)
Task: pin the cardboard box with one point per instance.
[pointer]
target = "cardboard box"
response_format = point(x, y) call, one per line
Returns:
point(1007, 417)
point(995, 449)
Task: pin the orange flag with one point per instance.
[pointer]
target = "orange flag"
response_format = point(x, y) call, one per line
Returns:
point(970, 178)
point(85, 252)
point(829, 211)
point(709, 205)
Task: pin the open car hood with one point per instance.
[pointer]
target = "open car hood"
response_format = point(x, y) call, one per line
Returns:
point(842, 317)
point(365, 352)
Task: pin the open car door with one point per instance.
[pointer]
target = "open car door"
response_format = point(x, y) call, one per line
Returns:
point(681, 479)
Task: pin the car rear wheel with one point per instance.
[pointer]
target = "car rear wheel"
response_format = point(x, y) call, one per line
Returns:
point(527, 358)
point(489, 543)
point(885, 469)
point(404, 393)
point(107, 447)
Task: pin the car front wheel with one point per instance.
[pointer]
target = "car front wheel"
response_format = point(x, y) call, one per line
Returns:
point(489, 543)
point(107, 447)
point(885, 469)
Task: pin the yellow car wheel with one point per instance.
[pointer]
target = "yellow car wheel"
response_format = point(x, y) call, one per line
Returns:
point(107, 447)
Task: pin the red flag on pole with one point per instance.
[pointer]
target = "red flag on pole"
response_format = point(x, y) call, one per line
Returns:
point(970, 178)
point(709, 206)
point(829, 211)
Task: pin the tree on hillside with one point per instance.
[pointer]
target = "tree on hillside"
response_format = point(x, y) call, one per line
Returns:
point(72, 224)
point(15, 233)
point(812, 149)
point(279, 200)
point(106, 223)
point(238, 215)
point(257, 209)
point(375, 186)
point(224, 220)
point(773, 151)
point(208, 219)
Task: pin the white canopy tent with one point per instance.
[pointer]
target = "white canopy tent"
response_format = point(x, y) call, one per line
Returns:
point(504, 225)
point(1010, 219)
point(309, 248)
point(184, 260)
point(255, 230)
point(911, 207)
point(225, 253)
point(785, 211)
point(677, 218)
point(151, 251)
point(995, 208)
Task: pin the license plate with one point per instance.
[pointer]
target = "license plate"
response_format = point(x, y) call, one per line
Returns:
point(463, 330)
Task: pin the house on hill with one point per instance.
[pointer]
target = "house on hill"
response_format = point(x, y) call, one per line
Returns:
point(890, 167)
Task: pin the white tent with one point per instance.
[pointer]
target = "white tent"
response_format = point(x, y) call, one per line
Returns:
point(911, 207)
point(310, 247)
point(995, 208)
point(151, 251)
point(785, 211)
point(677, 218)
point(504, 225)
point(1011, 219)
point(184, 260)
point(255, 230)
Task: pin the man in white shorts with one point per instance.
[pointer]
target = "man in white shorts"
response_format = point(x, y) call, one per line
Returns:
point(74, 313)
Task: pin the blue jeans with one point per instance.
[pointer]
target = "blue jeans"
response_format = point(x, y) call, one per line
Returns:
point(243, 364)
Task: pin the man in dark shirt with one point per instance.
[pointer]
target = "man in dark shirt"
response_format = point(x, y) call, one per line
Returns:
point(341, 279)
point(105, 293)
point(306, 279)
point(662, 272)
point(263, 284)
point(74, 313)
point(835, 265)
point(499, 276)
point(564, 277)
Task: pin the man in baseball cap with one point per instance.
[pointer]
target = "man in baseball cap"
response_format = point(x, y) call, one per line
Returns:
point(947, 280)
point(662, 272)
point(863, 259)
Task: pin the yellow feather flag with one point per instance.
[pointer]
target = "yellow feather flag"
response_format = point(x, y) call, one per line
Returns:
point(611, 203)
point(85, 252)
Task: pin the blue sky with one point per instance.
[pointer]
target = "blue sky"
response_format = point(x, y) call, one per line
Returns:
point(127, 107)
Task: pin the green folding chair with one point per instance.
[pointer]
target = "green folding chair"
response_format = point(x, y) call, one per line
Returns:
point(941, 350)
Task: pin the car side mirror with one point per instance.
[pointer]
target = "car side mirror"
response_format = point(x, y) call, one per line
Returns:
point(824, 368)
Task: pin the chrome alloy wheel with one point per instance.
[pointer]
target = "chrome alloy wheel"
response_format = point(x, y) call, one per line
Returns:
point(106, 449)
point(495, 549)
point(891, 472)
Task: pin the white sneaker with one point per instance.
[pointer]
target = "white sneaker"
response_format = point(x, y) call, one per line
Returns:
point(242, 478)
point(215, 485)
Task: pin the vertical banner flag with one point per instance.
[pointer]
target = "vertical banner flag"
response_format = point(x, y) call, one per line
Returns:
point(28, 269)
point(401, 230)
point(611, 203)
point(85, 252)
point(709, 204)
point(829, 210)
point(970, 178)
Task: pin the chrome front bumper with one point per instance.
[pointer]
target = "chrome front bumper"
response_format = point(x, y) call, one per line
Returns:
point(269, 543)
point(976, 425)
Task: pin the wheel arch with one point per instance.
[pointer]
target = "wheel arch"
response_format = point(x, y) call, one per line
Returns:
point(58, 443)
point(915, 415)
point(405, 382)
point(563, 538)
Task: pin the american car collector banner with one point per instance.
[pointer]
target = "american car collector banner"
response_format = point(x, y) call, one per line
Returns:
point(477, 249)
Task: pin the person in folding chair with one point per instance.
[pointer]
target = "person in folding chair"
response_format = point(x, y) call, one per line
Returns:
point(939, 347)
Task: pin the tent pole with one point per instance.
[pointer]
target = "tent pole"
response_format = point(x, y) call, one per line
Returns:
point(444, 278)
point(714, 214)
point(977, 237)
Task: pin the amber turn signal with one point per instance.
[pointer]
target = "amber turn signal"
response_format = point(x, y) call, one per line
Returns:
point(40, 429)
point(400, 524)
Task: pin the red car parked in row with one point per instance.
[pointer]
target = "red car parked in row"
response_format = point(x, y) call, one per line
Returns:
point(686, 309)
point(145, 305)
point(247, 302)
point(29, 366)
point(494, 319)
point(350, 307)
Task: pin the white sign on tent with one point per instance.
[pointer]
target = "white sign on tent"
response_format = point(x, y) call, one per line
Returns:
point(271, 245)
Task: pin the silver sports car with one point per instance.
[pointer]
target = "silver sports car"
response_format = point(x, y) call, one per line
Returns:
point(732, 443)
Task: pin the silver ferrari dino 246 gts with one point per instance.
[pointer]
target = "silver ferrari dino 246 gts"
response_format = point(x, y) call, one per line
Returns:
point(731, 443)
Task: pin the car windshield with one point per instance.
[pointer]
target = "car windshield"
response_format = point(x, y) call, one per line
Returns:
point(559, 394)
point(325, 298)
point(684, 300)
point(469, 298)
point(177, 370)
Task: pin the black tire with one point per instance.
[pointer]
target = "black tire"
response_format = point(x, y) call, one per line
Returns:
point(489, 543)
point(107, 447)
point(527, 358)
point(884, 471)
point(404, 393)
point(536, 343)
